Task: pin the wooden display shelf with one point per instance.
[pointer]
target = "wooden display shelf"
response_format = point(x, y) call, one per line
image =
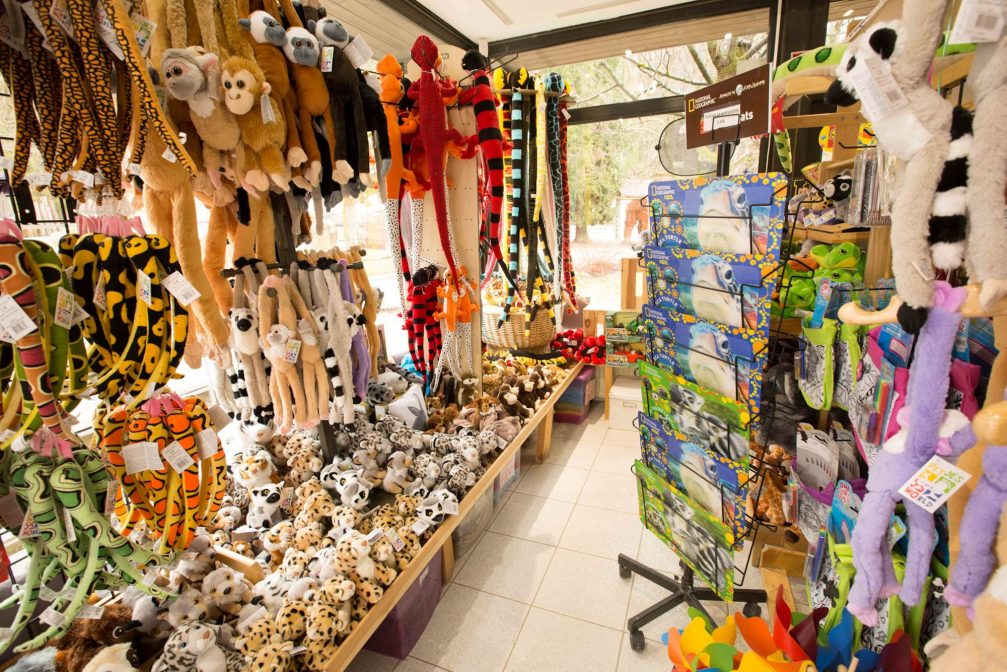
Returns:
point(542, 419)
point(830, 237)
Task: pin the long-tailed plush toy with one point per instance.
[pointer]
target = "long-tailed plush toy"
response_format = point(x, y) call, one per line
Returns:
point(928, 215)
point(927, 430)
point(263, 131)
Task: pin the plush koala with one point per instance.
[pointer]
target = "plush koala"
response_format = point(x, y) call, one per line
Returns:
point(227, 590)
point(265, 503)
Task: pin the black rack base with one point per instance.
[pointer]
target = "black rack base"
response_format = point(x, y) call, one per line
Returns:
point(683, 591)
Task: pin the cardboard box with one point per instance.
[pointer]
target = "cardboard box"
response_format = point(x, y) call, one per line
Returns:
point(574, 405)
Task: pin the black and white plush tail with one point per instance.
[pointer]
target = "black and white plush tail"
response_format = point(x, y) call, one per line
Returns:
point(948, 218)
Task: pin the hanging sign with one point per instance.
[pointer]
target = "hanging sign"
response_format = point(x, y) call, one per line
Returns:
point(734, 108)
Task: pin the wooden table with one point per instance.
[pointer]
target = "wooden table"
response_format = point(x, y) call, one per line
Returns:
point(441, 539)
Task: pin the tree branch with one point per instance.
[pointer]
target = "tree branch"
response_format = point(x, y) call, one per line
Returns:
point(703, 70)
point(645, 67)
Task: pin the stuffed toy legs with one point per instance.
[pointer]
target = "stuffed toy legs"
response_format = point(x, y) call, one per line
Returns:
point(927, 430)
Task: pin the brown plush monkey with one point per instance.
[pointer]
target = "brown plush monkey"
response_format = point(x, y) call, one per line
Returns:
point(263, 131)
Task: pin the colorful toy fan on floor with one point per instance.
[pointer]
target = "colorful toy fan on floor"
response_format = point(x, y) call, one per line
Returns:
point(794, 643)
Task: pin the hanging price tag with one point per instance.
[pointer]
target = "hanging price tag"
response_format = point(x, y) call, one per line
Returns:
point(292, 351)
point(879, 93)
point(375, 535)
point(47, 594)
point(180, 288)
point(106, 32)
point(29, 528)
point(83, 177)
point(15, 321)
point(978, 21)
point(68, 312)
point(266, 107)
point(143, 28)
point(38, 179)
point(99, 293)
point(142, 457)
point(11, 30)
point(111, 494)
point(394, 539)
point(177, 457)
point(298, 650)
point(61, 15)
point(286, 498)
point(143, 287)
point(451, 508)
point(134, 169)
point(169, 155)
point(206, 440)
point(52, 617)
point(91, 611)
point(326, 62)
point(934, 483)
point(420, 526)
point(219, 417)
point(71, 531)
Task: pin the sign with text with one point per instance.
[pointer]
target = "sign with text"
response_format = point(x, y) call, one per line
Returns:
point(734, 108)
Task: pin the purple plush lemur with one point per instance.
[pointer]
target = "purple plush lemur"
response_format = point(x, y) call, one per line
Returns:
point(978, 529)
point(927, 430)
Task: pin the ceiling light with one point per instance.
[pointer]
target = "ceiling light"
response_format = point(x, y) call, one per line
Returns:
point(847, 13)
point(860, 18)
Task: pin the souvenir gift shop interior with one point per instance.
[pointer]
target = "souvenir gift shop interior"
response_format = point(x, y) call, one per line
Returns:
point(428, 336)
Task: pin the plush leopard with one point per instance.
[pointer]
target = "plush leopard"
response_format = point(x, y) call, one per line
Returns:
point(255, 468)
point(264, 648)
point(276, 540)
point(318, 654)
point(308, 537)
point(238, 494)
point(460, 479)
point(304, 491)
point(406, 505)
point(291, 620)
point(325, 622)
point(383, 517)
point(379, 394)
point(317, 507)
point(294, 564)
point(353, 559)
point(411, 546)
point(345, 517)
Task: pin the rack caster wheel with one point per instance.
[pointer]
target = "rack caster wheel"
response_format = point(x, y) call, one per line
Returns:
point(751, 609)
point(637, 641)
point(624, 572)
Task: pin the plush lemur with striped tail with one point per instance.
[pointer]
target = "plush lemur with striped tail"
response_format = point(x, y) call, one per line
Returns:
point(929, 214)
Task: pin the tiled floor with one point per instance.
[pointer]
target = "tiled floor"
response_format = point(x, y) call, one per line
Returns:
point(541, 589)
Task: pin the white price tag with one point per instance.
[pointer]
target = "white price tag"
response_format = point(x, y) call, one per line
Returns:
point(46, 594)
point(61, 15)
point(106, 32)
point(266, 107)
point(326, 63)
point(286, 498)
point(206, 440)
point(141, 457)
point(934, 483)
point(83, 177)
point(261, 612)
point(91, 611)
point(6, 163)
point(375, 535)
point(134, 169)
point(177, 457)
point(879, 93)
point(15, 321)
point(111, 494)
point(298, 650)
point(394, 539)
point(39, 179)
point(566, 113)
point(99, 293)
point(292, 351)
point(71, 531)
point(419, 527)
point(52, 617)
point(219, 417)
point(169, 155)
point(68, 312)
point(451, 507)
point(143, 287)
point(180, 288)
point(978, 21)
point(143, 28)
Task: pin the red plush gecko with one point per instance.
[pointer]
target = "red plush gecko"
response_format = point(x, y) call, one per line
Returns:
point(434, 136)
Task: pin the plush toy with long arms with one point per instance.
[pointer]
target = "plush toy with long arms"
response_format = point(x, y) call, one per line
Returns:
point(928, 215)
point(246, 95)
point(519, 193)
point(434, 136)
point(988, 177)
point(978, 529)
point(927, 430)
point(491, 143)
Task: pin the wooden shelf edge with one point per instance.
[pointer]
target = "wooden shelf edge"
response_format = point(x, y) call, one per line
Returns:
point(830, 237)
point(352, 645)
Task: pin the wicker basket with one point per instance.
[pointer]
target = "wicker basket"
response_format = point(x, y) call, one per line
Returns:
point(511, 334)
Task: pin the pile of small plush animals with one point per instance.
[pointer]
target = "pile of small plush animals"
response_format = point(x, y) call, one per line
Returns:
point(573, 345)
point(329, 537)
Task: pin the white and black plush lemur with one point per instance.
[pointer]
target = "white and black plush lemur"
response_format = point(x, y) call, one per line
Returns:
point(929, 215)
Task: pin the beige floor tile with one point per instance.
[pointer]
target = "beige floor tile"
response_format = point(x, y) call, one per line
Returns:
point(573, 453)
point(556, 643)
point(622, 437)
point(567, 430)
point(585, 587)
point(368, 661)
point(553, 481)
point(471, 631)
point(506, 566)
point(602, 532)
point(653, 658)
point(616, 492)
point(645, 594)
point(616, 459)
point(416, 665)
point(533, 518)
point(656, 555)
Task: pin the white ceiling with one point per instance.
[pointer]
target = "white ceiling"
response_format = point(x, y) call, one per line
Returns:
point(502, 19)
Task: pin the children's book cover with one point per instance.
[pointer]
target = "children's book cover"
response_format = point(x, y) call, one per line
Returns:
point(739, 215)
point(710, 287)
point(624, 338)
point(712, 420)
point(718, 485)
point(700, 539)
point(728, 361)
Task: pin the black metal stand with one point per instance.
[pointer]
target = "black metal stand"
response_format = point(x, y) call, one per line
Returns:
point(682, 591)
